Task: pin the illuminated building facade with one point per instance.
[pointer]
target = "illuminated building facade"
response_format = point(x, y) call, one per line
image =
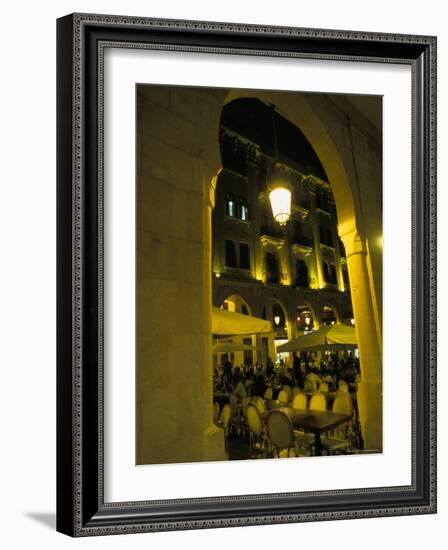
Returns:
point(294, 275)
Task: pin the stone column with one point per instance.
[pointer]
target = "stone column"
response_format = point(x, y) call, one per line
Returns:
point(173, 344)
point(314, 218)
point(370, 388)
point(213, 437)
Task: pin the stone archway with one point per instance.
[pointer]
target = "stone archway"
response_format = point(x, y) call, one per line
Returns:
point(300, 309)
point(240, 303)
point(333, 143)
point(275, 311)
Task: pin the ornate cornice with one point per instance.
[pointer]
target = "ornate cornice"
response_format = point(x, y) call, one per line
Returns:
point(298, 248)
point(268, 240)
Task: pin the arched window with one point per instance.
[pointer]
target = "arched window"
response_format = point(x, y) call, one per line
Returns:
point(244, 256)
point(244, 209)
point(328, 316)
point(230, 205)
point(272, 273)
point(230, 254)
point(301, 274)
point(304, 318)
point(333, 276)
point(326, 271)
point(278, 316)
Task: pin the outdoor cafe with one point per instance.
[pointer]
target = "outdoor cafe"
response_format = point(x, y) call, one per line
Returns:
point(305, 407)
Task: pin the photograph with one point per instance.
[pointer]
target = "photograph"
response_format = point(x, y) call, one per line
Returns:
point(246, 274)
point(258, 274)
point(221, 310)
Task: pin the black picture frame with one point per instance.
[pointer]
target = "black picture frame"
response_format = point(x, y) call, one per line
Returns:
point(81, 510)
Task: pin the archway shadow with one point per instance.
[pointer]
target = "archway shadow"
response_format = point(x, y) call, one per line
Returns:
point(48, 519)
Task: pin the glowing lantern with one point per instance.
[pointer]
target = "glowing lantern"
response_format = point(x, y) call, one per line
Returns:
point(280, 198)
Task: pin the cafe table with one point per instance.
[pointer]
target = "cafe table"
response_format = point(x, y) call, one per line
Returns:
point(316, 422)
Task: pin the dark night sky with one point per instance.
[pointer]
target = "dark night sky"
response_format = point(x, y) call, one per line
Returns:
point(252, 119)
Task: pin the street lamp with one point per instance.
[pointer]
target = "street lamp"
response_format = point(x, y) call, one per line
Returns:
point(352, 321)
point(279, 191)
point(280, 198)
point(277, 320)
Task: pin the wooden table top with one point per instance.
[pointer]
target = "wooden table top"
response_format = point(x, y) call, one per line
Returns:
point(315, 421)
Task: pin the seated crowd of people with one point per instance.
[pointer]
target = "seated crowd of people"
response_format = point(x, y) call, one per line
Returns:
point(306, 373)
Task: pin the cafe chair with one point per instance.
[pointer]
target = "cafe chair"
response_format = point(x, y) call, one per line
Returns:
point(288, 390)
point(295, 391)
point(343, 404)
point(325, 389)
point(318, 401)
point(341, 442)
point(244, 403)
point(243, 427)
point(257, 447)
point(299, 401)
point(268, 393)
point(224, 422)
point(237, 424)
point(260, 404)
point(333, 446)
point(283, 396)
point(281, 436)
point(306, 439)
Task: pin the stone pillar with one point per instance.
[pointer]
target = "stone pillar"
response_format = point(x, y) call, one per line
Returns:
point(314, 220)
point(173, 345)
point(370, 388)
point(213, 437)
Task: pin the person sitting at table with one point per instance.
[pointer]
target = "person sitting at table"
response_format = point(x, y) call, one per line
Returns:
point(287, 379)
point(297, 371)
point(259, 386)
point(313, 377)
point(326, 376)
point(227, 376)
point(249, 379)
point(239, 389)
point(269, 368)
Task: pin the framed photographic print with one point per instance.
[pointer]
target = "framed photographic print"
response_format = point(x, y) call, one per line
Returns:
point(246, 274)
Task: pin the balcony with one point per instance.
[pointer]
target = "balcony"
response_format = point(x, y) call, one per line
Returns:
point(302, 209)
point(271, 230)
point(301, 244)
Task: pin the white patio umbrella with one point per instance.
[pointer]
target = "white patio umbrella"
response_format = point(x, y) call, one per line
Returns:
point(333, 337)
point(226, 323)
